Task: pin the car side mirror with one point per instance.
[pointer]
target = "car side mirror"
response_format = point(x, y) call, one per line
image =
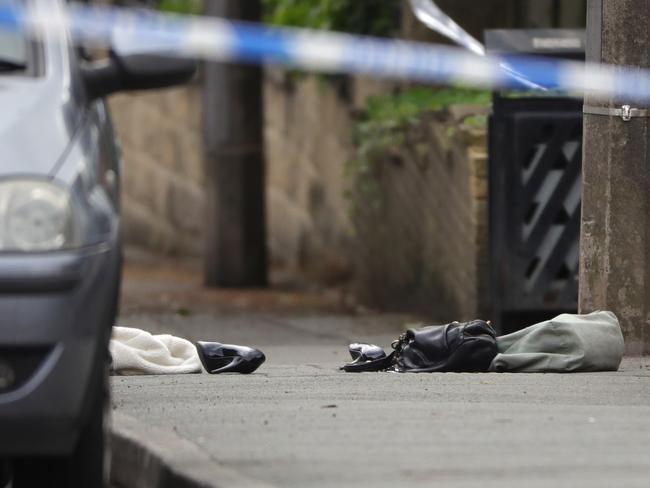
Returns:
point(136, 72)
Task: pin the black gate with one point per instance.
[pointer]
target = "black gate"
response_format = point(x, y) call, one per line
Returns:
point(535, 159)
point(535, 190)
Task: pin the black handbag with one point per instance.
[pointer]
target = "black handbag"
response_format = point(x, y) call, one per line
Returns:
point(467, 347)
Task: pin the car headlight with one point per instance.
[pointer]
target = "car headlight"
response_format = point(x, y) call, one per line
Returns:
point(35, 216)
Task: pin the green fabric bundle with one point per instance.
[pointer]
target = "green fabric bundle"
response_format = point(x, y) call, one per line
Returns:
point(566, 344)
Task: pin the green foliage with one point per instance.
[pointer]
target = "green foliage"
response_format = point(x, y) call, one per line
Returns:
point(477, 121)
point(388, 117)
point(367, 17)
point(372, 17)
point(408, 106)
point(385, 129)
point(181, 6)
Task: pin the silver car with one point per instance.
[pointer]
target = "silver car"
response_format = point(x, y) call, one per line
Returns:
point(59, 251)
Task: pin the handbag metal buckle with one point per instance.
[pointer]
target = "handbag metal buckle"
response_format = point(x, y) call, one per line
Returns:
point(626, 113)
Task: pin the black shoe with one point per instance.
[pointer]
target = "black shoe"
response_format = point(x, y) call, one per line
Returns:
point(367, 357)
point(228, 358)
point(366, 352)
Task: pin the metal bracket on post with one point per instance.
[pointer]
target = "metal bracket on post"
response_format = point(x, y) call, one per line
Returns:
point(626, 112)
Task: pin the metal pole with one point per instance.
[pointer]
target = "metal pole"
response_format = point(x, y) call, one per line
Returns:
point(233, 117)
point(615, 232)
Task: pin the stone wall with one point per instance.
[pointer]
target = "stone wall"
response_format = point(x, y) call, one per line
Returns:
point(163, 193)
point(309, 139)
point(308, 131)
point(424, 250)
point(421, 221)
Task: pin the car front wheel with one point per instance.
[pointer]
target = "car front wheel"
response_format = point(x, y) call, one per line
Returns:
point(87, 466)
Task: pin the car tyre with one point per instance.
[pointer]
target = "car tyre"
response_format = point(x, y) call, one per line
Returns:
point(87, 466)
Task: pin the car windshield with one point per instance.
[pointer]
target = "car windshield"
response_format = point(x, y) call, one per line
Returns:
point(14, 52)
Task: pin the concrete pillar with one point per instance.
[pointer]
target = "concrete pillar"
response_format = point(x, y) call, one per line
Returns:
point(615, 234)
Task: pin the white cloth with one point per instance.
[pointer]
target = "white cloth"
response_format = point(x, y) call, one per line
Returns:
point(136, 351)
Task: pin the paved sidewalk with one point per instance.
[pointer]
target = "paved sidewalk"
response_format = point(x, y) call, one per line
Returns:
point(313, 426)
point(299, 422)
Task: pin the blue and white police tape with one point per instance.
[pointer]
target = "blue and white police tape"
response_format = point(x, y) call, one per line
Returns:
point(433, 17)
point(224, 40)
point(427, 12)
